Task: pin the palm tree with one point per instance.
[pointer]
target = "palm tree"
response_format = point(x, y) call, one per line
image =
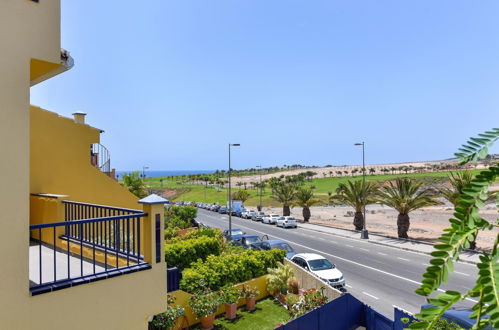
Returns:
point(372, 171)
point(351, 194)
point(457, 181)
point(284, 193)
point(406, 195)
point(241, 195)
point(305, 198)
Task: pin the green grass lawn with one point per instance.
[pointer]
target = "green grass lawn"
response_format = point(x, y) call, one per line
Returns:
point(267, 315)
point(200, 193)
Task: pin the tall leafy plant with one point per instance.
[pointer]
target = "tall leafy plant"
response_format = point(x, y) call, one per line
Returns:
point(135, 184)
point(305, 198)
point(465, 227)
point(355, 195)
point(406, 195)
point(284, 193)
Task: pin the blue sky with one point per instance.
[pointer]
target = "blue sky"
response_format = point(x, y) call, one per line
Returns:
point(295, 82)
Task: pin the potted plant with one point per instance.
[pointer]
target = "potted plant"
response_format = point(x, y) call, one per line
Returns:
point(170, 318)
point(293, 285)
point(229, 296)
point(250, 294)
point(204, 305)
point(277, 281)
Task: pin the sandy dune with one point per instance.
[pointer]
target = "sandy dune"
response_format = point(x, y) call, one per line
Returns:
point(325, 171)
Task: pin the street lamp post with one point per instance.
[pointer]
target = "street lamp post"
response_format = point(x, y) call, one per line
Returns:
point(260, 186)
point(144, 168)
point(230, 194)
point(364, 234)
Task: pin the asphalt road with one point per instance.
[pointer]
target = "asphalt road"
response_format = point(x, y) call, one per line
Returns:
point(380, 276)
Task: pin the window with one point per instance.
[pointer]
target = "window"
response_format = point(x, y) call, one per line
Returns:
point(320, 264)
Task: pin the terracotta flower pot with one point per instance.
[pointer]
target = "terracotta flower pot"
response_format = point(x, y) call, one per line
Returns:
point(282, 298)
point(250, 304)
point(230, 311)
point(207, 321)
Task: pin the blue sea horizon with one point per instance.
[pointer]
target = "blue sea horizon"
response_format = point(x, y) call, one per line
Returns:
point(160, 173)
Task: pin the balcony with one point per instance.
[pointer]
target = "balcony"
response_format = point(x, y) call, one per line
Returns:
point(94, 242)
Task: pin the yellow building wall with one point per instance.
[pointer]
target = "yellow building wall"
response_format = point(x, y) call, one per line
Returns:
point(182, 298)
point(30, 48)
point(60, 162)
point(27, 31)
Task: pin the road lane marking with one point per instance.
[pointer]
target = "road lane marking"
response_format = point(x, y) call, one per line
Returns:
point(403, 259)
point(349, 245)
point(381, 245)
point(351, 261)
point(370, 295)
point(364, 249)
point(383, 254)
point(424, 264)
point(348, 286)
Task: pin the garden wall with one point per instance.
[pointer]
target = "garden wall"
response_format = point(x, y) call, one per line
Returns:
point(308, 280)
point(182, 298)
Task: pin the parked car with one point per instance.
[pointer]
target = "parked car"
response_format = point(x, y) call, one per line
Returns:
point(321, 267)
point(215, 208)
point(275, 244)
point(286, 222)
point(460, 316)
point(223, 210)
point(249, 214)
point(239, 213)
point(236, 234)
point(246, 241)
point(271, 219)
point(257, 216)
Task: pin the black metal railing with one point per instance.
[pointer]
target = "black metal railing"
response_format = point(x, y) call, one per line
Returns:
point(115, 236)
point(100, 157)
point(94, 242)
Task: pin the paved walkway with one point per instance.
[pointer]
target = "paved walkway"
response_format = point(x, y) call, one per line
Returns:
point(405, 244)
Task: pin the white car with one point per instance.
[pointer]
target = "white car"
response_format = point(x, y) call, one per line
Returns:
point(286, 222)
point(270, 219)
point(321, 267)
point(249, 214)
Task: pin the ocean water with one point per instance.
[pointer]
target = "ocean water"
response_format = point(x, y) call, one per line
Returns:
point(155, 174)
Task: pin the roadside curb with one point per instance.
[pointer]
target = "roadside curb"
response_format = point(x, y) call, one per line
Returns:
point(389, 245)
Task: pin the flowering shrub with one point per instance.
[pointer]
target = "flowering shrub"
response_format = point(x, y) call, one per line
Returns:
point(217, 271)
point(229, 295)
point(314, 298)
point(204, 303)
point(167, 319)
point(310, 300)
point(249, 292)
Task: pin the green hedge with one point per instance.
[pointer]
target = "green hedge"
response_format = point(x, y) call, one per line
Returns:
point(217, 271)
point(183, 253)
point(210, 232)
